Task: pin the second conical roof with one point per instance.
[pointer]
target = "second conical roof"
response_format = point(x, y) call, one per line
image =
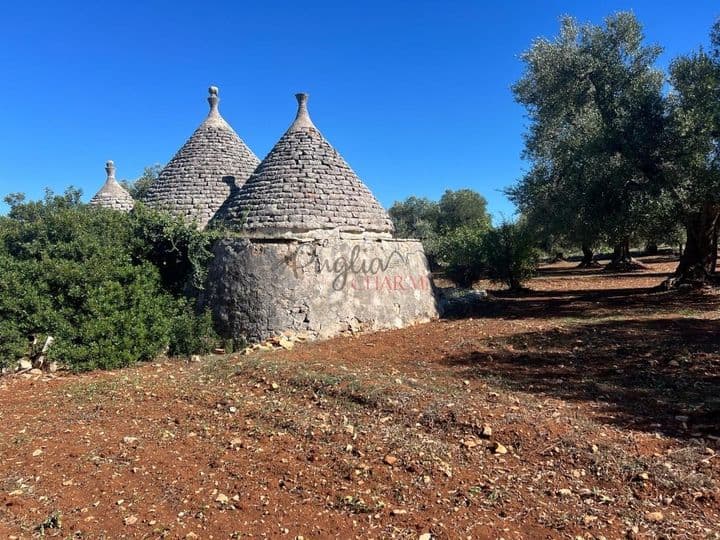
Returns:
point(304, 188)
point(212, 164)
point(112, 194)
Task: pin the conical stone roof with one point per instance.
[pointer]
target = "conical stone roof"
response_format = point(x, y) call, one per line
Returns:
point(111, 194)
point(304, 188)
point(212, 164)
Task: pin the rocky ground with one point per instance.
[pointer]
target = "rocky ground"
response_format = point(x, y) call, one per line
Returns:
point(586, 409)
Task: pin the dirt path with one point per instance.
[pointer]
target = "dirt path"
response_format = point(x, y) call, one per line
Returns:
point(587, 409)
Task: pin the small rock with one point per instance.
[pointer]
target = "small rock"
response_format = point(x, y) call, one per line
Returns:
point(37, 452)
point(130, 440)
point(285, 343)
point(236, 442)
point(564, 492)
point(390, 460)
point(274, 386)
point(469, 443)
point(643, 476)
point(131, 520)
point(425, 536)
point(192, 535)
point(588, 519)
point(486, 431)
point(36, 371)
point(195, 358)
point(399, 512)
point(222, 498)
point(654, 516)
point(499, 448)
point(24, 364)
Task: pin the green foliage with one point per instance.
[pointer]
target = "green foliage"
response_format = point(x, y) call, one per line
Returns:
point(192, 334)
point(509, 254)
point(462, 208)
point(97, 280)
point(415, 217)
point(462, 251)
point(433, 222)
point(180, 252)
point(596, 134)
point(138, 188)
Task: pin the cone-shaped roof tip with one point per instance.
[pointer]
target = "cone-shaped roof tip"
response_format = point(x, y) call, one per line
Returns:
point(303, 117)
point(112, 194)
point(213, 99)
point(110, 169)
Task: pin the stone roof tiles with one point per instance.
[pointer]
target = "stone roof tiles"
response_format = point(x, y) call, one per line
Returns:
point(304, 188)
point(112, 194)
point(212, 164)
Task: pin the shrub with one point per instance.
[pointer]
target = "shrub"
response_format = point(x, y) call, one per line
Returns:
point(462, 252)
point(192, 334)
point(510, 255)
point(106, 285)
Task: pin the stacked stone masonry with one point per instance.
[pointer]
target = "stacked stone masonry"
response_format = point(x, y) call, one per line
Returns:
point(112, 194)
point(304, 187)
point(210, 167)
point(317, 289)
point(314, 253)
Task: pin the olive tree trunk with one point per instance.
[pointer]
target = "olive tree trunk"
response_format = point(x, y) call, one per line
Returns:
point(621, 260)
point(697, 263)
point(588, 259)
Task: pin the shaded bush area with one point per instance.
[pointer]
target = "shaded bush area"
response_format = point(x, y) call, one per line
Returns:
point(505, 254)
point(111, 288)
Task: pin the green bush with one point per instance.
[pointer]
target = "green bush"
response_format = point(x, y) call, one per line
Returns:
point(106, 285)
point(510, 255)
point(192, 334)
point(461, 250)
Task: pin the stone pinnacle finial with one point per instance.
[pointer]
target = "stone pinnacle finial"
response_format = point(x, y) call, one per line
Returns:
point(110, 170)
point(303, 117)
point(213, 99)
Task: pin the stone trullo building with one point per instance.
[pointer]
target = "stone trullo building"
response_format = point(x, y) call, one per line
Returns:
point(112, 194)
point(313, 253)
point(209, 167)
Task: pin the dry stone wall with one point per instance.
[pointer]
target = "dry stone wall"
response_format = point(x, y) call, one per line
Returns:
point(318, 288)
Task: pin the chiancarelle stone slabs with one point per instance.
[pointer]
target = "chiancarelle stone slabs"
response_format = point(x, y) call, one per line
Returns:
point(313, 252)
point(211, 166)
point(112, 194)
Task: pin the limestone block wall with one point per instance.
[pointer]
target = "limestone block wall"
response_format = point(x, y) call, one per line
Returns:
point(319, 288)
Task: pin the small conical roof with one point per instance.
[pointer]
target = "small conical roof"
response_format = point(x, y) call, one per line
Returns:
point(111, 194)
point(213, 163)
point(304, 188)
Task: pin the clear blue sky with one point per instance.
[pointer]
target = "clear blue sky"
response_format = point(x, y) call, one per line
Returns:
point(415, 95)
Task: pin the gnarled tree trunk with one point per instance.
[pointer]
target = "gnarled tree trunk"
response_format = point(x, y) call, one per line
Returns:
point(588, 260)
point(621, 260)
point(698, 261)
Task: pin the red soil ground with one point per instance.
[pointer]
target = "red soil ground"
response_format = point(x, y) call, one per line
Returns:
point(602, 392)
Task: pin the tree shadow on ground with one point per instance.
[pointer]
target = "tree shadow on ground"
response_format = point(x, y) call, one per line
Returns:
point(591, 304)
point(658, 374)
